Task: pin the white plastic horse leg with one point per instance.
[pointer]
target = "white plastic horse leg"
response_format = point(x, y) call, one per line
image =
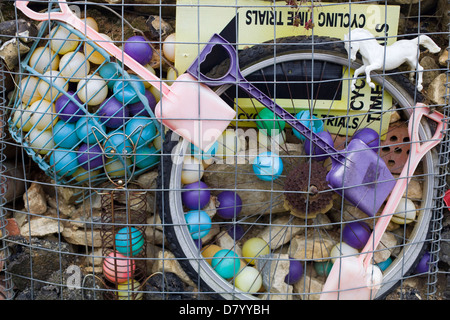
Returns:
point(355, 76)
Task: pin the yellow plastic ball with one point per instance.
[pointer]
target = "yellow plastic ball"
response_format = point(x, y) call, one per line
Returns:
point(29, 90)
point(43, 115)
point(44, 59)
point(74, 66)
point(209, 251)
point(92, 91)
point(169, 47)
point(171, 76)
point(248, 280)
point(83, 175)
point(192, 170)
point(21, 118)
point(129, 290)
point(49, 83)
point(253, 248)
point(91, 23)
point(405, 212)
point(93, 55)
point(116, 168)
point(62, 40)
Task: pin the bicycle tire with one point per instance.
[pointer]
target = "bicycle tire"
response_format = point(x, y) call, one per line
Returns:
point(253, 59)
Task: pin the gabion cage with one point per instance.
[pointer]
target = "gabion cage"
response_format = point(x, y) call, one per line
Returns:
point(224, 150)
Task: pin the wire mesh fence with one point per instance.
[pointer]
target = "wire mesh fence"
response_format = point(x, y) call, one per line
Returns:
point(238, 150)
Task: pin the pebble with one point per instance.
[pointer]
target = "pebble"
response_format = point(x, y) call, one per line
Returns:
point(436, 89)
point(310, 247)
point(34, 199)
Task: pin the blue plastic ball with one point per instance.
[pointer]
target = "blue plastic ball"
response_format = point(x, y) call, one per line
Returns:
point(204, 155)
point(65, 135)
point(423, 265)
point(198, 223)
point(141, 130)
point(384, 264)
point(64, 162)
point(89, 131)
point(139, 109)
point(268, 166)
point(146, 156)
point(195, 195)
point(226, 263)
point(118, 144)
point(139, 49)
point(129, 237)
point(113, 113)
point(295, 271)
point(110, 72)
point(126, 90)
point(314, 123)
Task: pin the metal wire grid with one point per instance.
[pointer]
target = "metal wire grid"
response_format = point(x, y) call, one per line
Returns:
point(92, 225)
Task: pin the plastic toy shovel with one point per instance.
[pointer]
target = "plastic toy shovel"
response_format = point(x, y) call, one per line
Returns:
point(354, 277)
point(357, 173)
point(187, 107)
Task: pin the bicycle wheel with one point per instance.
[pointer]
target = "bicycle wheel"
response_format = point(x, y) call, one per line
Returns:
point(294, 70)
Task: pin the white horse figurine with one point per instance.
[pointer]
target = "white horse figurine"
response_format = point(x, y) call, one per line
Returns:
point(402, 51)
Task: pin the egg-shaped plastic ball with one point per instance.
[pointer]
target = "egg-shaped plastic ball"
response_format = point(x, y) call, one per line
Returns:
point(90, 130)
point(209, 251)
point(43, 115)
point(110, 72)
point(44, 59)
point(116, 167)
point(126, 90)
point(368, 136)
point(118, 144)
point(52, 85)
point(129, 290)
point(91, 23)
point(118, 268)
point(295, 271)
point(383, 265)
point(92, 90)
point(342, 249)
point(129, 241)
point(198, 223)
point(169, 47)
point(226, 263)
point(83, 175)
point(230, 204)
point(146, 156)
point(323, 268)
point(65, 135)
point(204, 155)
point(236, 231)
point(424, 264)
point(268, 166)
point(268, 123)
point(74, 66)
point(139, 49)
point(113, 113)
point(139, 108)
point(62, 40)
point(141, 130)
point(356, 234)
point(405, 212)
point(192, 170)
point(63, 161)
point(249, 280)
point(68, 110)
point(21, 118)
point(29, 90)
point(313, 123)
point(254, 248)
point(316, 152)
point(92, 54)
point(195, 195)
point(41, 141)
point(90, 156)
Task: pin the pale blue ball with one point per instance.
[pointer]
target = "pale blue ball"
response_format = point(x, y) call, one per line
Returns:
point(146, 157)
point(314, 123)
point(118, 144)
point(65, 135)
point(125, 90)
point(141, 130)
point(198, 223)
point(64, 162)
point(268, 166)
point(89, 130)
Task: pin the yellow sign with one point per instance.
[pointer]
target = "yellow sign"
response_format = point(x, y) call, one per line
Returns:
point(250, 22)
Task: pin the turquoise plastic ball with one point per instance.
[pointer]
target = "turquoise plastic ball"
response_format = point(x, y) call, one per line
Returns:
point(146, 156)
point(141, 130)
point(129, 237)
point(88, 131)
point(118, 144)
point(126, 90)
point(198, 223)
point(314, 123)
point(268, 166)
point(226, 263)
point(64, 162)
point(110, 72)
point(65, 135)
point(204, 155)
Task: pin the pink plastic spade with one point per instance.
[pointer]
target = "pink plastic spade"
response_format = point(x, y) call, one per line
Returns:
point(354, 277)
point(187, 107)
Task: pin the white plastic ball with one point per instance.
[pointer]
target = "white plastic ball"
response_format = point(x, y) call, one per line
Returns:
point(29, 90)
point(92, 91)
point(41, 141)
point(91, 23)
point(62, 40)
point(171, 76)
point(342, 249)
point(74, 66)
point(169, 47)
point(248, 280)
point(49, 83)
point(156, 93)
point(44, 116)
point(44, 59)
point(192, 170)
point(21, 118)
point(405, 212)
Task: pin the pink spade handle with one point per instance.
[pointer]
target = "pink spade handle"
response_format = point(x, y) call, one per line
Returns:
point(68, 17)
point(417, 151)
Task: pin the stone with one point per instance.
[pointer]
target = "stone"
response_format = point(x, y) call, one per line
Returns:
point(437, 90)
point(225, 241)
point(282, 230)
point(34, 199)
point(274, 269)
point(443, 58)
point(166, 262)
point(414, 190)
point(309, 287)
point(384, 249)
point(431, 69)
point(62, 207)
point(41, 226)
point(310, 247)
point(82, 237)
point(23, 29)
point(158, 28)
point(10, 52)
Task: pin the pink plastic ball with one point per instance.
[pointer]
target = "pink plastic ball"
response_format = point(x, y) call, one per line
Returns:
point(117, 268)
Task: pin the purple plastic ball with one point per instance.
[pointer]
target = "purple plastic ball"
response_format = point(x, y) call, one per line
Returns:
point(197, 196)
point(139, 49)
point(356, 234)
point(91, 159)
point(368, 136)
point(236, 232)
point(295, 271)
point(113, 113)
point(311, 149)
point(138, 108)
point(230, 204)
point(423, 265)
point(68, 110)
